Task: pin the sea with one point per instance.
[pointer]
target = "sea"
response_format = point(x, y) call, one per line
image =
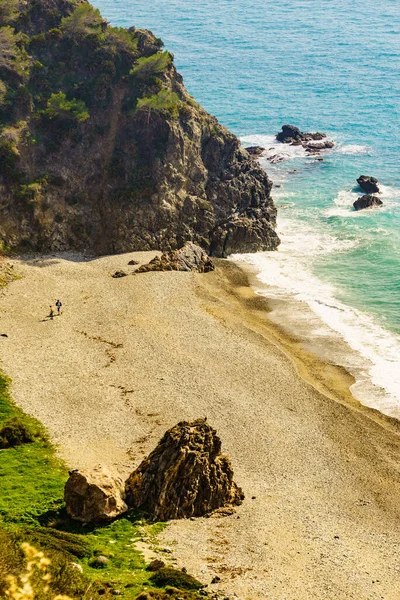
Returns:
point(322, 65)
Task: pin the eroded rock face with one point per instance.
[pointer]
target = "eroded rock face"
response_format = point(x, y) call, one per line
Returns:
point(367, 201)
point(185, 476)
point(246, 232)
point(94, 496)
point(189, 258)
point(368, 184)
point(127, 176)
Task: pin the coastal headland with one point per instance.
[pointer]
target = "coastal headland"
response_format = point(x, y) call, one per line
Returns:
point(130, 357)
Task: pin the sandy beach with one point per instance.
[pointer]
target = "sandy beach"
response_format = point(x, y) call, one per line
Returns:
point(129, 358)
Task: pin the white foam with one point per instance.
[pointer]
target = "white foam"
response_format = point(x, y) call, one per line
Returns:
point(353, 149)
point(343, 203)
point(286, 274)
point(274, 148)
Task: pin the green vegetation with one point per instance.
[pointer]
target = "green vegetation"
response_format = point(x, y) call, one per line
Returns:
point(58, 107)
point(152, 65)
point(164, 101)
point(174, 578)
point(13, 56)
point(32, 510)
point(84, 20)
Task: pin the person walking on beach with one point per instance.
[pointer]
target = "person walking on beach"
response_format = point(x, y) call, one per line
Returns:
point(59, 305)
point(51, 314)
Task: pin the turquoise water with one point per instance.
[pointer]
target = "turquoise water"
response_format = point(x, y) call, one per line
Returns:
point(331, 66)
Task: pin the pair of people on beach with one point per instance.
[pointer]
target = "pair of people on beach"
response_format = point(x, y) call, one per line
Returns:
point(58, 306)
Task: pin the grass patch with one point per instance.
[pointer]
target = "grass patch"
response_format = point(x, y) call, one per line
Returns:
point(32, 482)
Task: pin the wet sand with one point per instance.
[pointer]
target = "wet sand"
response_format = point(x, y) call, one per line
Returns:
point(130, 357)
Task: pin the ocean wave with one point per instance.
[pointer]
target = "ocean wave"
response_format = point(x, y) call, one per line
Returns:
point(286, 274)
point(353, 149)
point(343, 203)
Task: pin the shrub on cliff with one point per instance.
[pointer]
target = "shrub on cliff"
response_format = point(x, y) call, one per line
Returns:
point(13, 57)
point(164, 101)
point(84, 20)
point(58, 107)
point(152, 65)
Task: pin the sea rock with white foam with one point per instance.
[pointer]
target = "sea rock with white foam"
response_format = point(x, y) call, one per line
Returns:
point(312, 142)
point(367, 201)
point(256, 151)
point(368, 184)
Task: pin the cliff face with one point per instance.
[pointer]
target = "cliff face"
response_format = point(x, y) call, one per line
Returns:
point(103, 150)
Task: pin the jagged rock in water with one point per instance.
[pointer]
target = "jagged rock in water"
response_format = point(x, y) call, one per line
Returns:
point(189, 258)
point(247, 232)
point(255, 150)
point(368, 184)
point(118, 274)
point(312, 142)
point(94, 496)
point(367, 201)
point(185, 476)
point(103, 150)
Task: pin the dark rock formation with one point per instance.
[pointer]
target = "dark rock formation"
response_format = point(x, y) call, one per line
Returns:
point(132, 263)
point(156, 565)
point(367, 201)
point(249, 231)
point(103, 150)
point(255, 150)
point(189, 258)
point(312, 142)
point(95, 496)
point(369, 185)
point(118, 274)
point(185, 476)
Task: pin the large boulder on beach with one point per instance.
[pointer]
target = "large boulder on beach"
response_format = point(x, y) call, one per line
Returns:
point(190, 257)
point(367, 201)
point(368, 184)
point(185, 476)
point(92, 496)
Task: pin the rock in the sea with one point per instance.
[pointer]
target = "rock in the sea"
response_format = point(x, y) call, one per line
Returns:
point(94, 496)
point(188, 258)
point(132, 263)
point(367, 201)
point(248, 232)
point(312, 142)
point(288, 134)
point(118, 274)
point(185, 476)
point(368, 184)
point(255, 150)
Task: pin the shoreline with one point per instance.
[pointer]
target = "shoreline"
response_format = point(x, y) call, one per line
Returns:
point(327, 378)
point(131, 357)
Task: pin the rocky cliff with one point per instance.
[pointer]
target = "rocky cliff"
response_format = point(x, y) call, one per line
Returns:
point(103, 150)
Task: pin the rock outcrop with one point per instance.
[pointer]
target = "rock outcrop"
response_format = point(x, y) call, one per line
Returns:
point(189, 258)
point(368, 184)
point(103, 150)
point(367, 201)
point(185, 476)
point(256, 151)
point(94, 496)
point(312, 142)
